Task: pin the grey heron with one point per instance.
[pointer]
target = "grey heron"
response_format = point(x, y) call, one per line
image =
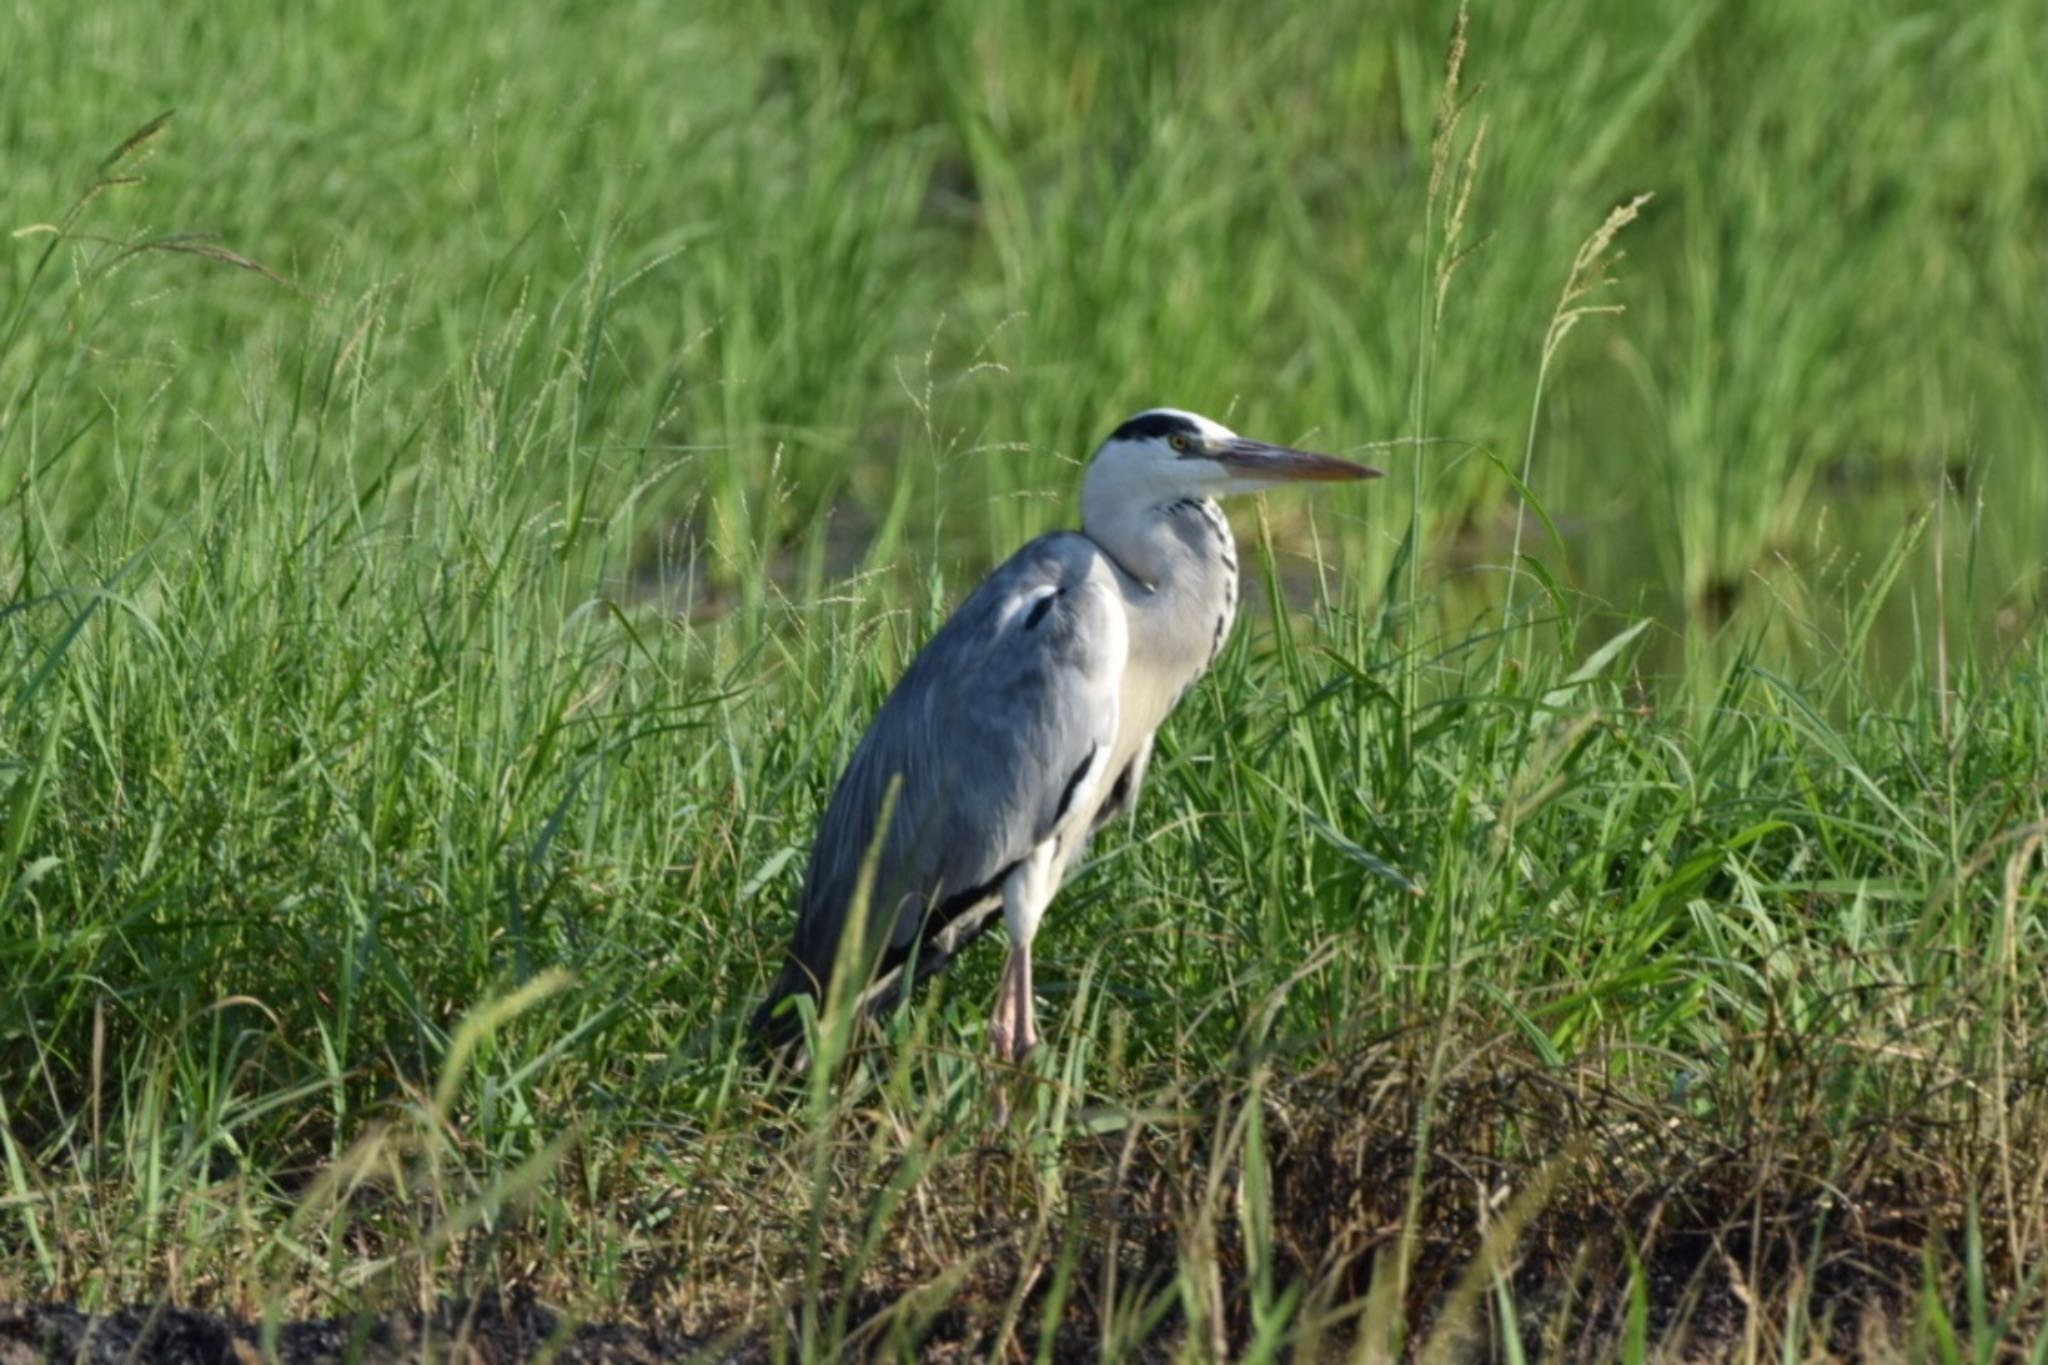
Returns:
point(1027, 721)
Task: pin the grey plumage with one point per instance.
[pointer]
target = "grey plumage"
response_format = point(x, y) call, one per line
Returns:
point(1027, 720)
point(1039, 644)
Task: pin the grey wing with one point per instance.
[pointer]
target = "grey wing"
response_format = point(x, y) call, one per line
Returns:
point(1003, 719)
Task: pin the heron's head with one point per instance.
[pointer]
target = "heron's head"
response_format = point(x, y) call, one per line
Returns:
point(1164, 454)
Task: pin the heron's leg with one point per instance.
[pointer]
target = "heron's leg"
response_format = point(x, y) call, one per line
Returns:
point(1013, 1028)
point(1026, 892)
point(1009, 1025)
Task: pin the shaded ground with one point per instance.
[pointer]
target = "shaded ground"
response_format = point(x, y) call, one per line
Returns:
point(1749, 1199)
point(488, 1330)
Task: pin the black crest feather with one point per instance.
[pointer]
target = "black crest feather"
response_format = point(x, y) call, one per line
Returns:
point(1151, 424)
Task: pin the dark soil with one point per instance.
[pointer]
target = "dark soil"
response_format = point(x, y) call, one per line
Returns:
point(484, 1332)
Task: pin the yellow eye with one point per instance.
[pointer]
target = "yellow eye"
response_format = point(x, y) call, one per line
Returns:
point(1179, 443)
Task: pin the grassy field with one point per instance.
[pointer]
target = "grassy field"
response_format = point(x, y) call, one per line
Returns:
point(470, 473)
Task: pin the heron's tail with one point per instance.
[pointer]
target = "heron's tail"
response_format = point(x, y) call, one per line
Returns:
point(777, 1024)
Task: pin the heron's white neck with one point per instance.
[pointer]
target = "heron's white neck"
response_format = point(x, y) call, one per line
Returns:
point(1182, 596)
point(1144, 526)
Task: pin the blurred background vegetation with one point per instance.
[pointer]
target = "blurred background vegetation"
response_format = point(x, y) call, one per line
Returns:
point(805, 229)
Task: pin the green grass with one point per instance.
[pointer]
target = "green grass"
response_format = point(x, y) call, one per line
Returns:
point(422, 666)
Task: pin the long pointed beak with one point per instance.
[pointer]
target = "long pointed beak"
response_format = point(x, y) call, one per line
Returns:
point(1281, 464)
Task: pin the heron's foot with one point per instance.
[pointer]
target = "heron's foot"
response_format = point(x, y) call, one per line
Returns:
point(1012, 1083)
point(1013, 1042)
